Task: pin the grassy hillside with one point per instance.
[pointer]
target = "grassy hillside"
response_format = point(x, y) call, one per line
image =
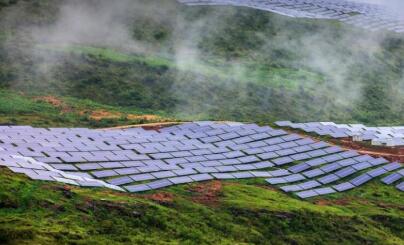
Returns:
point(204, 62)
point(33, 212)
point(101, 63)
point(50, 111)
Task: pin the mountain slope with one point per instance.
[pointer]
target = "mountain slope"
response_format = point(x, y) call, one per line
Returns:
point(203, 62)
point(206, 213)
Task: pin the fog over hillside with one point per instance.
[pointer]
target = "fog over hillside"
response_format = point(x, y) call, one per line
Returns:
point(340, 55)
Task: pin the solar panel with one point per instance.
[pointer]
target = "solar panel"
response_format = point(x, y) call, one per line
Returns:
point(392, 166)
point(253, 151)
point(120, 181)
point(300, 156)
point(378, 161)
point(180, 180)
point(163, 174)
point(324, 191)
point(313, 173)
point(299, 167)
point(306, 194)
point(377, 172)
point(261, 165)
point(346, 162)
point(361, 166)
point(329, 178)
point(282, 160)
point(159, 184)
point(388, 136)
point(290, 188)
point(349, 154)
point(279, 172)
point(226, 168)
point(261, 174)
point(206, 170)
point(248, 159)
point(274, 181)
point(104, 173)
point(201, 177)
point(332, 158)
point(268, 155)
point(316, 162)
point(360, 180)
point(242, 175)
point(330, 167)
point(390, 179)
point(64, 180)
point(245, 167)
point(345, 172)
point(400, 186)
point(363, 158)
point(343, 186)
point(138, 188)
point(294, 178)
point(86, 183)
point(36, 176)
point(223, 176)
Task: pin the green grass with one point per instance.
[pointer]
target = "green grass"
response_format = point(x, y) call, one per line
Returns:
point(34, 212)
point(253, 72)
point(115, 56)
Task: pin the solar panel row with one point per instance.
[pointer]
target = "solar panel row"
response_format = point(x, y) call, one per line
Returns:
point(389, 136)
point(136, 159)
point(369, 16)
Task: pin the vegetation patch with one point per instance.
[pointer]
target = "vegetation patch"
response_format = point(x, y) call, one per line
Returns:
point(43, 212)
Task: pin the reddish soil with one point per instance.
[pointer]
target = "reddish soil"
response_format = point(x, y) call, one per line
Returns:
point(102, 114)
point(347, 201)
point(50, 100)
point(149, 126)
point(143, 117)
point(207, 193)
point(54, 102)
point(340, 202)
point(162, 197)
point(385, 205)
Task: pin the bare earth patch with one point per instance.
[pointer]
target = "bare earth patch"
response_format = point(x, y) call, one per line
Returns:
point(50, 100)
point(161, 197)
point(339, 202)
point(54, 101)
point(143, 117)
point(207, 193)
point(102, 114)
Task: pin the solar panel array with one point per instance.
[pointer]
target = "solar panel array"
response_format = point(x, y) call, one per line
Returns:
point(388, 136)
point(394, 178)
point(370, 16)
point(138, 160)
